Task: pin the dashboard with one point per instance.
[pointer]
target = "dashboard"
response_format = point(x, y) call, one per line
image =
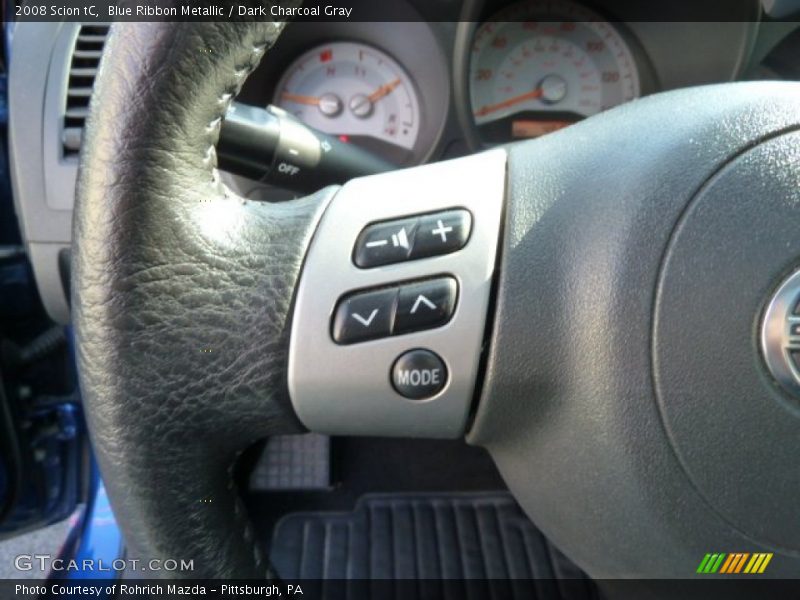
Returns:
point(494, 71)
point(427, 80)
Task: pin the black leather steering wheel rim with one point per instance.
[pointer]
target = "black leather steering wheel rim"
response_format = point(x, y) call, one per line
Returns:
point(183, 293)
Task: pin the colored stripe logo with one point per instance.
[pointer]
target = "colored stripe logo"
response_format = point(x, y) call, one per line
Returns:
point(734, 563)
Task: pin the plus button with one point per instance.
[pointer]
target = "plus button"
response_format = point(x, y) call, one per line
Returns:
point(441, 230)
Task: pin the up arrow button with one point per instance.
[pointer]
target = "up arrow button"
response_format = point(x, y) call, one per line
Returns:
point(421, 299)
point(425, 304)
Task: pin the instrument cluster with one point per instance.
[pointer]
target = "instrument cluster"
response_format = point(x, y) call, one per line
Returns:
point(413, 89)
point(540, 65)
point(383, 85)
point(357, 92)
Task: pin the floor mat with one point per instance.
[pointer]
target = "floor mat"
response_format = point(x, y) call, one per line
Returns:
point(293, 462)
point(476, 536)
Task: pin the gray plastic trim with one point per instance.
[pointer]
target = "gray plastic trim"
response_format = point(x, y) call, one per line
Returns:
point(43, 180)
point(61, 171)
point(346, 390)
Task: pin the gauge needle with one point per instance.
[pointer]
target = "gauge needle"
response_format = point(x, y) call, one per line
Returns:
point(490, 108)
point(310, 100)
point(384, 90)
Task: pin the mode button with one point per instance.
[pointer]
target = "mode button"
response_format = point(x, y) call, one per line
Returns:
point(419, 374)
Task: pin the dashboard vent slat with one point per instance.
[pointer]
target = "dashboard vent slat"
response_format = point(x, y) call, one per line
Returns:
point(82, 72)
point(71, 138)
point(80, 92)
point(77, 112)
point(92, 39)
point(84, 62)
point(90, 54)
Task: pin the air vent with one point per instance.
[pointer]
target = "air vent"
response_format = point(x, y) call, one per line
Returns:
point(82, 71)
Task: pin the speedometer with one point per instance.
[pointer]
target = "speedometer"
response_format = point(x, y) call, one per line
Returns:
point(357, 92)
point(538, 66)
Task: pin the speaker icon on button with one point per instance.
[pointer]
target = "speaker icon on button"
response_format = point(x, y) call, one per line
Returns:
point(400, 239)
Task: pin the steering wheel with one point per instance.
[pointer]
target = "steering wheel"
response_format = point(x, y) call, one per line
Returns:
point(607, 300)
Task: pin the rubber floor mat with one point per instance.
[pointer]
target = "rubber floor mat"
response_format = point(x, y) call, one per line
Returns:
point(428, 537)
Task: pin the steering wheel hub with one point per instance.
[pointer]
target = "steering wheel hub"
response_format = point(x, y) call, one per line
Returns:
point(730, 419)
point(780, 335)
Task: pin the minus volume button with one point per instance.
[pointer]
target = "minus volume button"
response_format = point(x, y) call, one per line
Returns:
point(385, 243)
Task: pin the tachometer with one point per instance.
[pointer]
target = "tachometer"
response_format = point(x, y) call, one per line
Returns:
point(357, 92)
point(540, 65)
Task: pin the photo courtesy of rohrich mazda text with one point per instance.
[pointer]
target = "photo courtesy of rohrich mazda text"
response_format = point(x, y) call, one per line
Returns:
point(409, 299)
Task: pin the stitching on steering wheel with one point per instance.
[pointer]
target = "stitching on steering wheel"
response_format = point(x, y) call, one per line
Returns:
point(240, 514)
point(240, 74)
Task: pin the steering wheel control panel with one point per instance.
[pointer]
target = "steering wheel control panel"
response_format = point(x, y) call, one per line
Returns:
point(390, 312)
point(409, 239)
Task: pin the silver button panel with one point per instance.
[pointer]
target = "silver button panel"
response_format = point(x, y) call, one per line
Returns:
point(347, 389)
